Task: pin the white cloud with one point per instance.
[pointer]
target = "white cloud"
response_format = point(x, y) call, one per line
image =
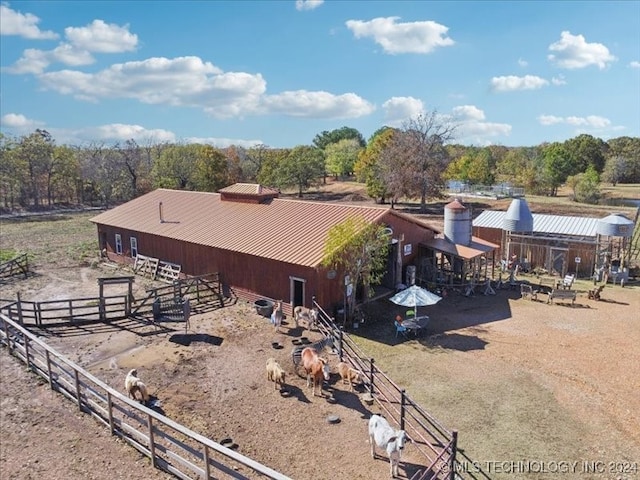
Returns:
point(572, 51)
point(468, 113)
point(511, 83)
point(96, 37)
point(302, 103)
point(559, 80)
point(634, 64)
point(400, 109)
point(224, 142)
point(472, 127)
point(308, 4)
point(591, 121)
point(112, 133)
point(19, 122)
point(408, 37)
point(190, 82)
point(102, 38)
point(523, 63)
point(549, 120)
point(24, 25)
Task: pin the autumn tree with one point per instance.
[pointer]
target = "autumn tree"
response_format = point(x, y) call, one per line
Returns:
point(367, 167)
point(358, 250)
point(413, 162)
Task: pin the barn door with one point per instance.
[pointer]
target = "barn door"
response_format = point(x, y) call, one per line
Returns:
point(558, 261)
point(297, 291)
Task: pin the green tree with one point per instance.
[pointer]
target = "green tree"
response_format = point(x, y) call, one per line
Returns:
point(557, 167)
point(587, 187)
point(584, 151)
point(211, 169)
point(367, 166)
point(12, 173)
point(627, 148)
point(67, 179)
point(341, 156)
point(34, 154)
point(301, 168)
point(176, 167)
point(322, 140)
point(615, 170)
point(357, 249)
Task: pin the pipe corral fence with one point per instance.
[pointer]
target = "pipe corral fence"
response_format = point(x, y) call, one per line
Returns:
point(173, 447)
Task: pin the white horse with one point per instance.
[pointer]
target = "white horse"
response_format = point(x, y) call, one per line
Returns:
point(309, 314)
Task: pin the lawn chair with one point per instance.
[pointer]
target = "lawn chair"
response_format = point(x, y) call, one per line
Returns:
point(594, 293)
point(567, 282)
point(400, 329)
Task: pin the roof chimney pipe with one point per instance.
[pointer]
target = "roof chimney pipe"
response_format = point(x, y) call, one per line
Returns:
point(160, 210)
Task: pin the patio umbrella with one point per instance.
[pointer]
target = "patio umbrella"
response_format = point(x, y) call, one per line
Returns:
point(415, 296)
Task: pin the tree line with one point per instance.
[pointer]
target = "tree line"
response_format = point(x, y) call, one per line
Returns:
point(412, 161)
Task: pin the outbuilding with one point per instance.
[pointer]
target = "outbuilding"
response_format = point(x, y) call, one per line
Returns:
point(262, 246)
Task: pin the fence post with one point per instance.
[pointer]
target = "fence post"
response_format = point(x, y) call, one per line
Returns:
point(25, 339)
point(371, 362)
point(6, 333)
point(110, 410)
point(152, 444)
point(49, 369)
point(38, 314)
point(207, 468)
point(340, 344)
point(20, 319)
point(452, 458)
point(77, 377)
point(402, 407)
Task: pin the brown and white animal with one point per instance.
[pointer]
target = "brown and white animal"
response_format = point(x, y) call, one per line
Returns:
point(384, 436)
point(133, 384)
point(348, 374)
point(310, 315)
point(275, 373)
point(316, 367)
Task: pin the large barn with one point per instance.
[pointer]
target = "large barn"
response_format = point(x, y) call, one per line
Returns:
point(261, 245)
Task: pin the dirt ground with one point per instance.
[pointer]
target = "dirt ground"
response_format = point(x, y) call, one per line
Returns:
point(522, 381)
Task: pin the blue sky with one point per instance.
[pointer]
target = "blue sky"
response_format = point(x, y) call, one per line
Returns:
point(512, 73)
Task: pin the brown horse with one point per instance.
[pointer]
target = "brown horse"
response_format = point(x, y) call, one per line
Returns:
point(316, 368)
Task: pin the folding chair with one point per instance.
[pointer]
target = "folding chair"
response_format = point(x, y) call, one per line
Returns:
point(402, 330)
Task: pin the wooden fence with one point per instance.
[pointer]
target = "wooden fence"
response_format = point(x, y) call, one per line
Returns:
point(437, 444)
point(16, 266)
point(169, 446)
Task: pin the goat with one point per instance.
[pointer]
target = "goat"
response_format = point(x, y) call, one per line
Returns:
point(382, 435)
point(309, 314)
point(316, 368)
point(275, 373)
point(277, 315)
point(133, 384)
point(348, 374)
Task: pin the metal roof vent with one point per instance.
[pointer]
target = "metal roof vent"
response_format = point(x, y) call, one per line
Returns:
point(518, 217)
point(615, 225)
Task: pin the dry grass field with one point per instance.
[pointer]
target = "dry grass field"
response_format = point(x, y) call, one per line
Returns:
point(535, 391)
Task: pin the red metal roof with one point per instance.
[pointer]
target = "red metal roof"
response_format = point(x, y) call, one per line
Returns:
point(292, 231)
point(477, 247)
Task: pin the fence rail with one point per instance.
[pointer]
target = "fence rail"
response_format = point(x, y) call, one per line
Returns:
point(16, 266)
point(170, 446)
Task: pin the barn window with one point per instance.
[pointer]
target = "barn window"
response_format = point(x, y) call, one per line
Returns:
point(118, 244)
point(134, 247)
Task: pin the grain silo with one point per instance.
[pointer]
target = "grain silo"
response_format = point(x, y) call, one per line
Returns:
point(457, 223)
point(614, 233)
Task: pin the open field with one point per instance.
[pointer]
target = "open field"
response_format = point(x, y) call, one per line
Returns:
point(529, 386)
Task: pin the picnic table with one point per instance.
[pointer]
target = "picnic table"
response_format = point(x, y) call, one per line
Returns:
point(416, 325)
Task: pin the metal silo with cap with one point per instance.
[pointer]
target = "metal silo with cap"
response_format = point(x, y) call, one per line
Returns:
point(518, 217)
point(457, 223)
point(615, 225)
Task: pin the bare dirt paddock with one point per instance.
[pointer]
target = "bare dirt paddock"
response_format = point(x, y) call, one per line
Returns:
point(535, 391)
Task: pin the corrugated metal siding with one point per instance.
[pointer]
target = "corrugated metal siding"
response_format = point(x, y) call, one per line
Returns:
point(290, 231)
point(543, 223)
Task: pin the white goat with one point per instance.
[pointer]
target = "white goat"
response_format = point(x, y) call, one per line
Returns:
point(275, 373)
point(308, 314)
point(382, 435)
point(348, 374)
point(133, 384)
